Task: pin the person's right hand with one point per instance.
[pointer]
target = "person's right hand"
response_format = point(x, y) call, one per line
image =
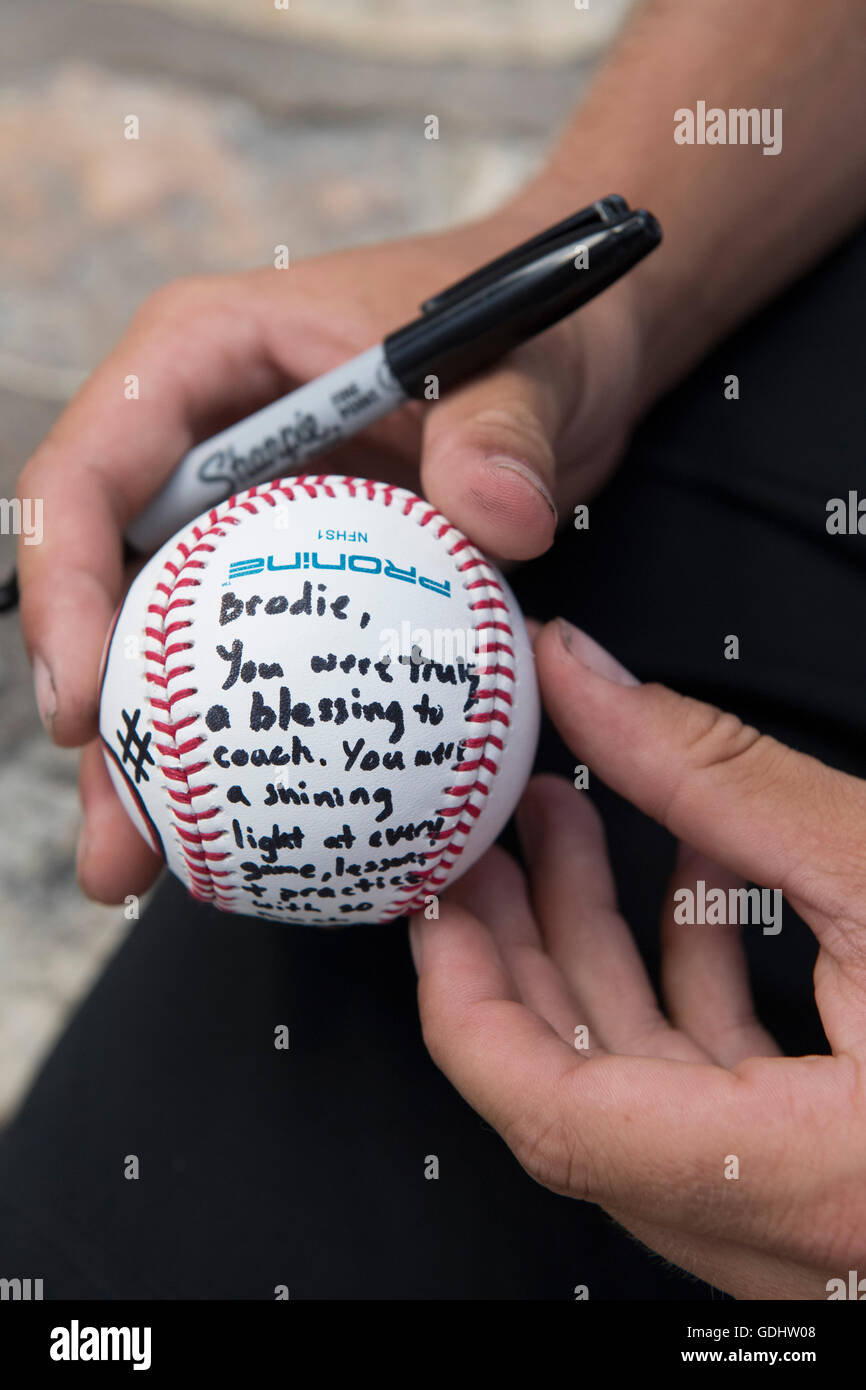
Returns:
point(677, 1114)
point(549, 421)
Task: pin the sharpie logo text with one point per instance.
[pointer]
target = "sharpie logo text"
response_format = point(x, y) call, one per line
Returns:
point(277, 452)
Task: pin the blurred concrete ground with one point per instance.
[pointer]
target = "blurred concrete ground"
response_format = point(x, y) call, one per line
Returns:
point(258, 127)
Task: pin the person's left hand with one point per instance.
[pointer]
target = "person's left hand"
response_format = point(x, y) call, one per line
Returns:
point(743, 1166)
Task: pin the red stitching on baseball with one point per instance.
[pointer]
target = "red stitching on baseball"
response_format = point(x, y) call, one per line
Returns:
point(199, 859)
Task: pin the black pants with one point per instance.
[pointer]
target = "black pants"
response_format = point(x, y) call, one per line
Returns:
point(305, 1167)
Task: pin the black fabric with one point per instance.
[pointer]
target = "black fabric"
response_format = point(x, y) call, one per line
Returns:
point(305, 1167)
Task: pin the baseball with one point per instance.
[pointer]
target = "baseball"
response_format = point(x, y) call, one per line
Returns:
point(318, 702)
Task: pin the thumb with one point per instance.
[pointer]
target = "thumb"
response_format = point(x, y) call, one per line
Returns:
point(774, 816)
point(488, 458)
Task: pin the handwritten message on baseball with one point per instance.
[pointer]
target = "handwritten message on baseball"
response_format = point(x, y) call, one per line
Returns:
point(319, 703)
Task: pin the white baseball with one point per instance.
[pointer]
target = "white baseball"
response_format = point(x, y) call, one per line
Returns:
point(318, 702)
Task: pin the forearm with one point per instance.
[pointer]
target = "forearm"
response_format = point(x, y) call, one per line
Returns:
point(738, 224)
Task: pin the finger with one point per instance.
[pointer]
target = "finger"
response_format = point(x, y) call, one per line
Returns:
point(197, 359)
point(769, 814)
point(635, 1134)
point(639, 1134)
point(575, 901)
point(488, 454)
point(469, 1005)
point(113, 860)
point(705, 977)
point(494, 891)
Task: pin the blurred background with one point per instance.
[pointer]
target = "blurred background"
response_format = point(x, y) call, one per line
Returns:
point(259, 126)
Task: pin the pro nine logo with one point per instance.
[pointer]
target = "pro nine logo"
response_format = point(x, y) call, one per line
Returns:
point(356, 564)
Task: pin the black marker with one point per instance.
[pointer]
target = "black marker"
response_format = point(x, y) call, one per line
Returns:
point(460, 331)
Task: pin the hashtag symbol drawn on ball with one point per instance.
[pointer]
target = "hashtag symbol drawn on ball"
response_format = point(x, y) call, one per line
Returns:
point(134, 748)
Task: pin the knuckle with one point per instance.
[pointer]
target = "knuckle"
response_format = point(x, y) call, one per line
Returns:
point(447, 1031)
point(185, 295)
point(711, 740)
point(829, 877)
point(550, 1145)
point(839, 852)
point(39, 472)
point(545, 1150)
point(833, 884)
point(514, 428)
point(714, 736)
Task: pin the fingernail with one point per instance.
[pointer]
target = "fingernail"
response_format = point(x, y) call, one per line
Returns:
point(588, 652)
point(46, 695)
point(530, 476)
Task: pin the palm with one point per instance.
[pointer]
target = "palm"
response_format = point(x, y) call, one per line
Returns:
point(655, 1108)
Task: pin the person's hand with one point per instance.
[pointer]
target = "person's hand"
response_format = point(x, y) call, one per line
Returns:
point(741, 1165)
point(549, 421)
